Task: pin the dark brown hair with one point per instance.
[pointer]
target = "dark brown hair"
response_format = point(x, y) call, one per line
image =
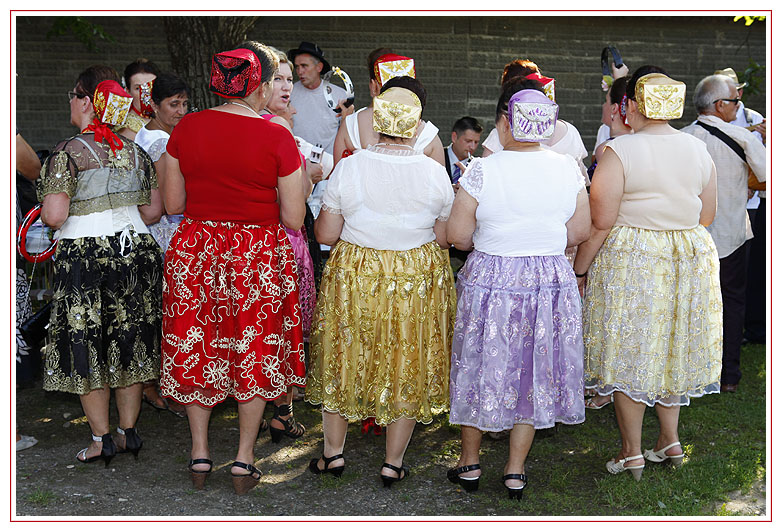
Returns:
point(88, 80)
point(139, 65)
point(518, 68)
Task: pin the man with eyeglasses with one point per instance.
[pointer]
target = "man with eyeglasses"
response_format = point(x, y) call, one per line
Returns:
point(735, 152)
point(755, 315)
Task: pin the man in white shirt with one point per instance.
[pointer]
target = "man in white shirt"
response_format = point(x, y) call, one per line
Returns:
point(755, 316)
point(735, 151)
point(465, 136)
point(315, 121)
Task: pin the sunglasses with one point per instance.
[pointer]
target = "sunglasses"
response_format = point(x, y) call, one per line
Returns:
point(72, 95)
point(734, 100)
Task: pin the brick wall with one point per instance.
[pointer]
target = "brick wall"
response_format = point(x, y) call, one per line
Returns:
point(459, 59)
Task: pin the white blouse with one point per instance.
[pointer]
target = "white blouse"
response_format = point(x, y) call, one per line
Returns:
point(524, 201)
point(152, 141)
point(390, 199)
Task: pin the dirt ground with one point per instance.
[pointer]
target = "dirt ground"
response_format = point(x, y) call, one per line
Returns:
point(49, 481)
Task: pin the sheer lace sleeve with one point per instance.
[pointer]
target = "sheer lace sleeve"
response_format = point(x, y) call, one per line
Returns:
point(157, 149)
point(58, 174)
point(472, 180)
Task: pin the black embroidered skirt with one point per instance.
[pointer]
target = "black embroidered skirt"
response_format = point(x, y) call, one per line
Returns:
point(106, 315)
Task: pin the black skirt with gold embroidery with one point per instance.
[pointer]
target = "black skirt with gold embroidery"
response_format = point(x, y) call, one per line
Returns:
point(106, 315)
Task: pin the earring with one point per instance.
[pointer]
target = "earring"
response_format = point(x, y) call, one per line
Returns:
point(612, 116)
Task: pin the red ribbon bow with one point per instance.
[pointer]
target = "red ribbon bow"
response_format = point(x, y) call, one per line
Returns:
point(103, 133)
point(369, 423)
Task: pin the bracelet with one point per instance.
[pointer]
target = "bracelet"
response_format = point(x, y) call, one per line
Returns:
point(580, 274)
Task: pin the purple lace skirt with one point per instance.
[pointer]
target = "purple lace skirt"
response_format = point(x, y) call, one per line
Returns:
point(305, 271)
point(518, 351)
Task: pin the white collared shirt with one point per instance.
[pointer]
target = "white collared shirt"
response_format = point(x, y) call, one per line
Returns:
point(731, 227)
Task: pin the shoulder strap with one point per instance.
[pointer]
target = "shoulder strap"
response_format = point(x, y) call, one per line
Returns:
point(732, 144)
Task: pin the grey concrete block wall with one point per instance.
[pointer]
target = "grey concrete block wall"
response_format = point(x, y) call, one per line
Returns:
point(459, 59)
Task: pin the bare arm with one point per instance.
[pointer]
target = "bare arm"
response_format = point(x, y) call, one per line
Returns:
point(55, 209)
point(709, 200)
point(435, 150)
point(150, 214)
point(172, 186)
point(461, 223)
point(27, 162)
point(290, 189)
point(578, 227)
point(342, 142)
point(328, 227)
point(604, 199)
point(441, 233)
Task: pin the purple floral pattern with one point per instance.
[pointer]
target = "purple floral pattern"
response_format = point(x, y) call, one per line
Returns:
point(517, 348)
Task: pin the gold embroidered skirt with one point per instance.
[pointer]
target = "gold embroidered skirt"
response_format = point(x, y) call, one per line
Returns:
point(653, 316)
point(381, 334)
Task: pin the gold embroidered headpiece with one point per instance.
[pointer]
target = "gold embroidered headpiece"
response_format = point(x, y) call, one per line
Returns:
point(391, 65)
point(660, 97)
point(111, 103)
point(396, 113)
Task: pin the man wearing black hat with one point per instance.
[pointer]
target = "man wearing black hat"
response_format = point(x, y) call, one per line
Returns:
point(315, 122)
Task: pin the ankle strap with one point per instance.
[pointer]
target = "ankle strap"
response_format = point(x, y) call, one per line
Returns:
point(465, 469)
point(630, 458)
point(674, 444)
point(97, 438)
point(249, 467)
point(515, 476)
point(327, 461)
point(282, 410)
point(393, 467)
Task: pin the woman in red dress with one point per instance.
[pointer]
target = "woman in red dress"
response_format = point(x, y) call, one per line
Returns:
point(232, 323)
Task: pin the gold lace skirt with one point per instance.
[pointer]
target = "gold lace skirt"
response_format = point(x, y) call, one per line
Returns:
point(653, 316)
point(381, 334)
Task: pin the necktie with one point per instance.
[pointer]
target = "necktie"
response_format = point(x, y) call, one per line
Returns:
point(457, 173)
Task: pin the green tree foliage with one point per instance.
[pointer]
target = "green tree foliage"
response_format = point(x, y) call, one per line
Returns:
point(88, 33)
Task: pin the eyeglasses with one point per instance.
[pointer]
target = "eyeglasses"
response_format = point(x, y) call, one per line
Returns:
point(72, 95)
point(734, 100)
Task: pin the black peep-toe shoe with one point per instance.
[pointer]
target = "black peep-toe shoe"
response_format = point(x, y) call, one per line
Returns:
point(133, 441)
point(291, 427)
point(107, 452)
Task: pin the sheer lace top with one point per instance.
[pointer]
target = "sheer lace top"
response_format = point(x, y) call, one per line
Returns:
point(390, 199)
point(94, 178)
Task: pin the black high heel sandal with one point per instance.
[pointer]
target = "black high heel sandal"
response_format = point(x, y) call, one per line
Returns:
point(244, 483)
point(469, 484)
point(336, 471)
point(133, 441)
point(199, 477)
point(107, 452)
point(292, 428)
point(515, 493)
point(389, 481)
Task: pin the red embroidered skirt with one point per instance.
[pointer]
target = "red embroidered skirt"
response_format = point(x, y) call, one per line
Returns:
point(231, 317)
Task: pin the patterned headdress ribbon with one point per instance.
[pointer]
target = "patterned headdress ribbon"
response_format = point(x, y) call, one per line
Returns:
point(391, 65)
point(235, 73)
point(111, 104)
point(145, 99)
point(660, 97)
point(396, 113)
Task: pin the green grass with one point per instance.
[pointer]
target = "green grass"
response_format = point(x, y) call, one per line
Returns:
point(41, 497)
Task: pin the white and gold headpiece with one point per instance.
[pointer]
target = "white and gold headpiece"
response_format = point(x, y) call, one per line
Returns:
point(660, 97)
point(391, 65)
point(396, 113)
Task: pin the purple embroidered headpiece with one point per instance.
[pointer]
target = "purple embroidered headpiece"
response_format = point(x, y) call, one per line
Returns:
point(532, 116)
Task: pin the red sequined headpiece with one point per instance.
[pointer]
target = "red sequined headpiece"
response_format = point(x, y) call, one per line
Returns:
point(235, 73)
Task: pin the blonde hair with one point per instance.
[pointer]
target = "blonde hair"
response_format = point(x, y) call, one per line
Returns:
point(281, 56)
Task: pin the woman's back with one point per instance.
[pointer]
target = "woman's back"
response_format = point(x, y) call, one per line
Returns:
point(524, 200)
point(389, 199)
point(664, 175)
point(231, 164)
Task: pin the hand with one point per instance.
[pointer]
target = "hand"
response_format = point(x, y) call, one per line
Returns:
point(750, 193)
point(456, 188)
point(345, 111)
point(582, 281)
point(761, 128)
point(462, 167)
point(314, 172)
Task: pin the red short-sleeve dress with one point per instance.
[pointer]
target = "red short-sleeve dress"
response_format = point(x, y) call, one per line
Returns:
point(231, 316)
